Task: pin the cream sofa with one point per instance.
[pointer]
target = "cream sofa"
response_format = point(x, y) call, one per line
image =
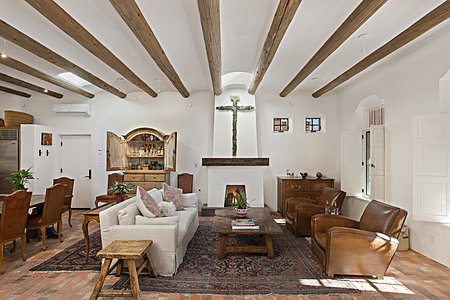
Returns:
point(170, 235)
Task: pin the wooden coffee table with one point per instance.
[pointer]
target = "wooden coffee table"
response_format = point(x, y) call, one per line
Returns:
point(267, 227)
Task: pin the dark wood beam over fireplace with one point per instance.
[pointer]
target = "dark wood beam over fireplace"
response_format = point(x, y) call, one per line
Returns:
point(235, 161)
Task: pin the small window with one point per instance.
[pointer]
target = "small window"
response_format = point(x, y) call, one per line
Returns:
point(312, 125)
point(376, 116)
point(280, 124)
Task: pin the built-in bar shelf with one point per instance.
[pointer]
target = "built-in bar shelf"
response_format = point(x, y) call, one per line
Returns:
point(235, 161)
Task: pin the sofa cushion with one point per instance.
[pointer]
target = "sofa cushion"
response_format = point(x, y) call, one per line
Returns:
point(189, 199)
point(174, 195)
point(141, 220)
point(156, 194)
point(128, 214)
point(321, 239)
point(147, 204)
point(186, 217)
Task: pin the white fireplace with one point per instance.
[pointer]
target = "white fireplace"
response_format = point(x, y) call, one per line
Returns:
point(244, 169)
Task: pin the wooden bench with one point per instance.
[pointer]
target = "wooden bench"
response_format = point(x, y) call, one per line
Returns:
point(128, 251)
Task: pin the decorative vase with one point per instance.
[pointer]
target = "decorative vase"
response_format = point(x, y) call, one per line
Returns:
point(304, 175)
point(119, 198)
point(319, 175)
point(241, 211)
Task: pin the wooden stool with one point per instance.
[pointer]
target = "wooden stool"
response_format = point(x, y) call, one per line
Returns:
point(128, 251)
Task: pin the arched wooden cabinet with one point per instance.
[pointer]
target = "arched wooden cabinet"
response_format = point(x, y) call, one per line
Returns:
point(145, 154)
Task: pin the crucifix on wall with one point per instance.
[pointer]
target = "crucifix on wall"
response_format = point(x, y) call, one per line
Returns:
point(235, 108)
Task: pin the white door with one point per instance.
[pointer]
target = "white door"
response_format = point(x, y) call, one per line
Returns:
point(351, 156)
point(431, 167)
point(75, 162)
point(377, 162)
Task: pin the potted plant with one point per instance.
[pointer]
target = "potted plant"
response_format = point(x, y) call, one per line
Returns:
point(20, 178)
point(241, 204)
point(120, 189)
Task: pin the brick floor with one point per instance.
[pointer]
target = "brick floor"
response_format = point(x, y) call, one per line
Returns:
point(411, 276)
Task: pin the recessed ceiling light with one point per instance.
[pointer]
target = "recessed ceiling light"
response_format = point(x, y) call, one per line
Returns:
point(45, 91)
point(3, 55)
point(241, 37)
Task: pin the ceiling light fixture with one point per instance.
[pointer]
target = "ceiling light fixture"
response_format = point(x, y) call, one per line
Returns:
point(241, 37)
point(362, 38)
point(45, 91)
point(158, 83)
point(3, 55)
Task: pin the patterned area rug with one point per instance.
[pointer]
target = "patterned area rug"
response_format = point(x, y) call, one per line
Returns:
point(73, 258)
point(292, 271)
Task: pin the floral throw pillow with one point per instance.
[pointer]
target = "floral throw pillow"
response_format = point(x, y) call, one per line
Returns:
point(166, 209)
point(147, 204)
point(173, 194)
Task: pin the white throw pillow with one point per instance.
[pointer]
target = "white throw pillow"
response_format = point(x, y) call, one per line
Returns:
point(142, 196)
point(127, 215)
point(157, 195)
point(141, 220)
point(189, 199)
point(167, 209)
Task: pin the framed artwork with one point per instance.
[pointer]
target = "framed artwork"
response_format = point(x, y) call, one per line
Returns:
point(280, 124)
point(46, 139)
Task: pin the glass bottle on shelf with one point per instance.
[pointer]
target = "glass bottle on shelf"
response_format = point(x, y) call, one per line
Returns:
point(162, 151)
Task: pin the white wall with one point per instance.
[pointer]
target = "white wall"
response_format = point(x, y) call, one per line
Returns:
point(297, 150)
point(192, 118)
point(408, 81)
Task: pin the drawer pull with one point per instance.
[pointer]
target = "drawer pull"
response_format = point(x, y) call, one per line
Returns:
point(296, 187)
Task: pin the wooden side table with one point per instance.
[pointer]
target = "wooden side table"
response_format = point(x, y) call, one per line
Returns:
point(128, 251)
point(92, 215)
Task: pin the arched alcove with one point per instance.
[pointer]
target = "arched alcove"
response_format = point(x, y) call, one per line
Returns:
point(367, 104)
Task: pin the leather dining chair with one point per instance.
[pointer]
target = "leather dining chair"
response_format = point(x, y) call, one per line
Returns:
point(185, 182)
point(68, 182)
point(13, 221)
point(51, 214)
point(109, 197)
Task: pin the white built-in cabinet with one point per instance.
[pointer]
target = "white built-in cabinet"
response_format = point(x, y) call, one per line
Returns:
point(431, 166)
point(41, 158)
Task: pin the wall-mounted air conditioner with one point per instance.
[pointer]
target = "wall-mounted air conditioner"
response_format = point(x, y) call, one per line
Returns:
point(72, 109)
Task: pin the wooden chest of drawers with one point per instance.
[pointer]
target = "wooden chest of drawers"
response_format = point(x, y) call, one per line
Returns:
point(288, 187)
point(146, 179)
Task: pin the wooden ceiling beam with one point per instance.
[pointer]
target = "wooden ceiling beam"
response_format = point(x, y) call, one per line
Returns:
point(429, 21)
point(30, 86)
point(59, 17)
point(19, 66)
point(356, 19)
point(131, 14)
point(210, 18)
point(283, 17)
point(22, 40)
point(14, 92)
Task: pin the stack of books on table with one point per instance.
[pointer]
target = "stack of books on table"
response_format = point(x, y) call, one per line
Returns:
point(238, 224)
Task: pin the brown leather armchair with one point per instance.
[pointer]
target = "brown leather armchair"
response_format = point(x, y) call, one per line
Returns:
point(300, 210)
point(348, 247)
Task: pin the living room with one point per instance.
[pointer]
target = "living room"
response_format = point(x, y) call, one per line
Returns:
point(411, 82)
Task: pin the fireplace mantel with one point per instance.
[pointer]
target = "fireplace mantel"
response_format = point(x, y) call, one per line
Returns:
point(235, 161)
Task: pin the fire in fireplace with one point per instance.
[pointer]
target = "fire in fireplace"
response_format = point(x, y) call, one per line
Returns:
point(231, 191)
